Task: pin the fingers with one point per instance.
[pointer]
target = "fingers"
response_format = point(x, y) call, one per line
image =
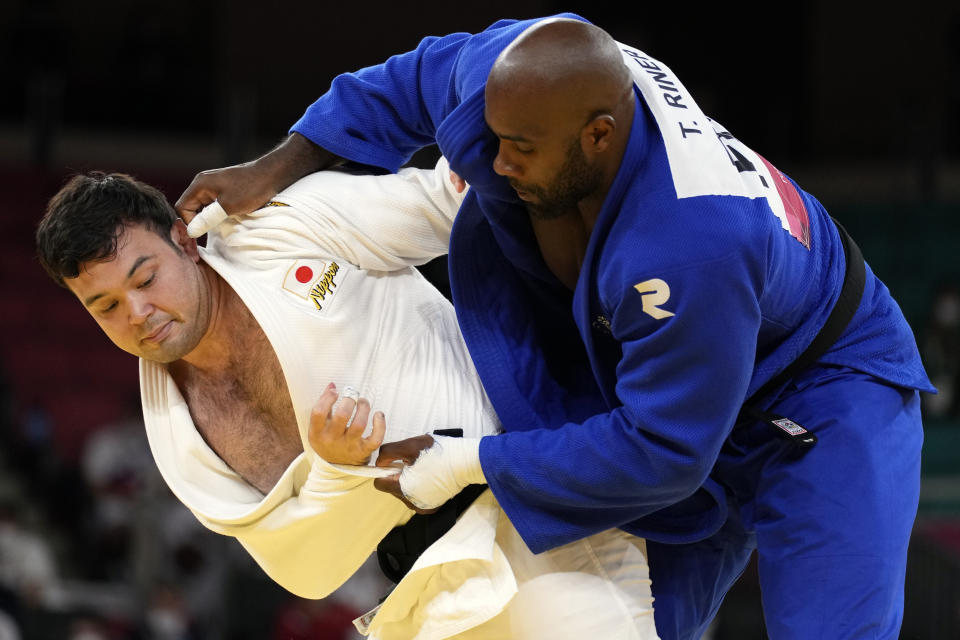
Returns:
point(458, 183)
point(238, 189)
point(405, 451)
point(318, 417)
point(197, 196)
point(391, 485)
point(375, 439)
point(388, 455)
point(343, 411)
point(211, 216)
point(337, 425)
point(359, 423)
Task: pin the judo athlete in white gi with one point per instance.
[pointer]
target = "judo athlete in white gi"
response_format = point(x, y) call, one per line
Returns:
point(237, 340)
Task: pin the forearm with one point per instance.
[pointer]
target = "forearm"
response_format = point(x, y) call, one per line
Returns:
point(292, 159)
point(242, 188)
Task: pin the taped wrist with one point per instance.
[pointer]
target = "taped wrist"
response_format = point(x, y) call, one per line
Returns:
point(442, 471)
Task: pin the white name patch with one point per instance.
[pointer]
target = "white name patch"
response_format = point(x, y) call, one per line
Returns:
point(705, 159)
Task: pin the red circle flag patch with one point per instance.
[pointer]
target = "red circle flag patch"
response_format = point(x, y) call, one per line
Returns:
point(301, 275)
point(304, 274)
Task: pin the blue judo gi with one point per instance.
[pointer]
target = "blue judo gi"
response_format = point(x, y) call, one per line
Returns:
point(700, 283)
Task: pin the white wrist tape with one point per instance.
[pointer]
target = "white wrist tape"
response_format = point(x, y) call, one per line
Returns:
point(211, 215)
point(441, 471)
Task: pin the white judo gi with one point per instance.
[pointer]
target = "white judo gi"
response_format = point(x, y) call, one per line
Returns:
point(327, 273)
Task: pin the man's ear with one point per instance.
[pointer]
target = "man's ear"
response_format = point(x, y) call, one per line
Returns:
point(180, 238)
point(597, 135)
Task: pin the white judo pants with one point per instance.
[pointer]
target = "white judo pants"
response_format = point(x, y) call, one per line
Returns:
point(593, 589)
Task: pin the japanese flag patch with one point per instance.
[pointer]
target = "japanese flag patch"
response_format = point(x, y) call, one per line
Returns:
point(313, 280)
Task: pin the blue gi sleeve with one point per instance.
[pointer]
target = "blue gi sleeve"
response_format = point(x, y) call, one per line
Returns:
point(687, 360)
point(381, 115)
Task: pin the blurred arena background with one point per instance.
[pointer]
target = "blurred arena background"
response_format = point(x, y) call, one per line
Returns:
point(860, 104)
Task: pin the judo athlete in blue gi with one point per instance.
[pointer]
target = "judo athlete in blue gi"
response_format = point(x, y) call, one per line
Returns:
point(627, 274)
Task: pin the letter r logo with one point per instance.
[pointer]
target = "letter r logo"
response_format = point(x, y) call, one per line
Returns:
point(654, 293)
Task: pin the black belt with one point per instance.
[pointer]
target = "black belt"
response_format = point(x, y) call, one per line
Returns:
point(843, 311)
point(400, 548)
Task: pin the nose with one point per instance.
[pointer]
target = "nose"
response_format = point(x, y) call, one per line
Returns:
point(504, 164)
point(140, 308)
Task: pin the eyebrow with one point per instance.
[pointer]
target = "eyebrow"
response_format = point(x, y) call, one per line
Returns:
point(133, 269)
point(512, 138)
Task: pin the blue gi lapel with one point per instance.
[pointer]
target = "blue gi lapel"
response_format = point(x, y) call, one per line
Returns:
point(513, 313)
point(501, 287)
point(592, 318)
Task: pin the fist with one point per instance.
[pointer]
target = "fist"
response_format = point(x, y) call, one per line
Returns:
point(338, 439)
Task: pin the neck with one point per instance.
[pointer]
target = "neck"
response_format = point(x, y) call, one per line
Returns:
point(212, 353)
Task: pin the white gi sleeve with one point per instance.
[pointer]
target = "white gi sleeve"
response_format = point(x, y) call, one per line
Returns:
point(313, 541)
point(378, 223)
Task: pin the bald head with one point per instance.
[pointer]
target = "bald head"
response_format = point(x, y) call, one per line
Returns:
point(562, 59)
point(561, 101)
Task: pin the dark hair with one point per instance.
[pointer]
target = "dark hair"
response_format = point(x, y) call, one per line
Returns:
point(86, 217)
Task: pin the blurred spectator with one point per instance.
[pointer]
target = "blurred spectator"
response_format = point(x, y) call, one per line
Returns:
point(327, 619)
point(116, 455)
point(9, 629)
point(194, 560)
point(166, 616)
point(114, 463)
point(54, 483)
point(141, 535)
point(941, 352)
point(332, 618)
point(88, 629)
point(36, 434)
point(28, 575)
